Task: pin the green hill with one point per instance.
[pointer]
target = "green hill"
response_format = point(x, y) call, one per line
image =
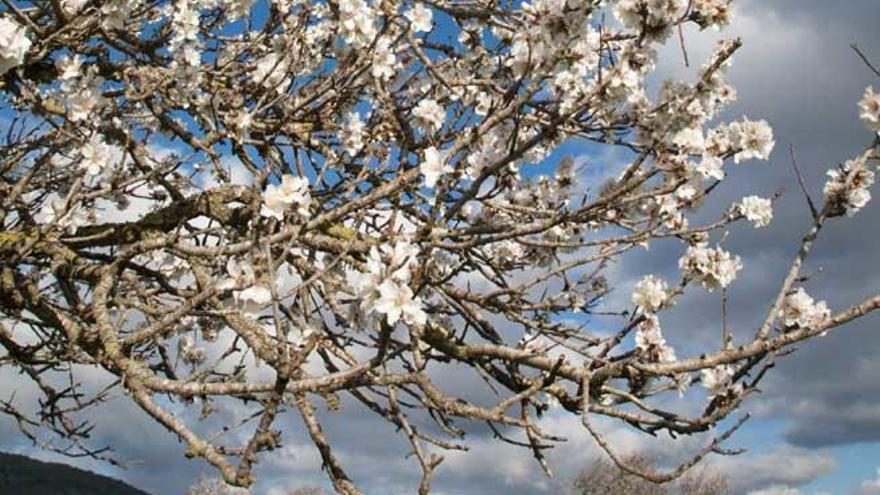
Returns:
point(20, 475)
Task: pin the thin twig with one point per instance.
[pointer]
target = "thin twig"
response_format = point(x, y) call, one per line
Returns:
point(797, 171)
point(864, 58)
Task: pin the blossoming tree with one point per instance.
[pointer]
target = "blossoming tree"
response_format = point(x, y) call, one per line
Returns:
point(254, 206)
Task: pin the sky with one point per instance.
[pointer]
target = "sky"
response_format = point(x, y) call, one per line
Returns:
point(816, 426)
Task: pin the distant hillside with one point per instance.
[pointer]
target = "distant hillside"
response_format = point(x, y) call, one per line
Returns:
point(21, 475)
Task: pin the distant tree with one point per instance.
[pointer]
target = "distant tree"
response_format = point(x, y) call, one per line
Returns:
point(309, 490)
point(211, 486)
point(704, 481)
point(603, 477)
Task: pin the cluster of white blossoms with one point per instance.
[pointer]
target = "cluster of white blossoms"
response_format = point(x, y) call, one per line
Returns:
point(384, 60)
point(649, 339)
point(669, 206)
point(420, 18)
point(291, 192)
point(14, 44)
point(710, 167)
point(753, 139)
point(690, 140)
point(434, 166)
point(657, 15)
point(357, 23)
point(95, 155)
point(115, 13)
point(272, 70)
point(383, 286)
point(81, 91)
point(353, 134)
point(72, 6)
point(712, 12)
point(847, 190)
point(167, 264)
point(650, 293)
point(248, 293)
point(185, 39)
point(800, 310)
point(717, 380)
point(506, 252)
point(756, 209)
point(712, 267)
point(869, 109)
point(68, 217)
point(430, 114)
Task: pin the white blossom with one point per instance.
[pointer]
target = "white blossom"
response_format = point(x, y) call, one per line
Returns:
point(241, 123)
point(95, 155)
point(434, 166)
point(382, 286)
point(869, 109)
point(649, 339)
point(353, 133)
point(712, 12)
point(650, 293)
point(69, 67)
point(754, 139)
point(396, 302)
point(402, 258)
point(655, 14)
point(430, 113)
point(420, 18)
point(279, 198)
point(757, 210)
point(847, 188)
point(365, 283)
point(506, 252)
point(253, 298)
point(384, 60)
point(712, 267)
point(72, 6)
point(14, 44)
point(690, 140)
point(189, 352)
point(717, 380)
point(58, 213)
point(272, 71)
point(248, 294)
point(82, 103)
point(357, 23)
point(483, 104)
point(710, 167)
point(799, 309)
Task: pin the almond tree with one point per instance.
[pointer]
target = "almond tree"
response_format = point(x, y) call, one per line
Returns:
point(261, 206)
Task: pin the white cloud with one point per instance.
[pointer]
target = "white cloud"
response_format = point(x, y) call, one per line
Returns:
point(870, 487)
point(766, 471)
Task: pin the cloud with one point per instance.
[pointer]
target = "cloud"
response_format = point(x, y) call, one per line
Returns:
point(782, 466)
point(869, 487)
